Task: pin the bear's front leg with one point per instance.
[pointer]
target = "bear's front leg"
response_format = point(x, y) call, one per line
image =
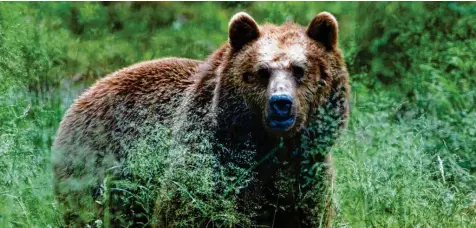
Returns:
point(314, 181)
point(316, 206)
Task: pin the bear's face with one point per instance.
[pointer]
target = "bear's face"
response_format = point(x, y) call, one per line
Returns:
point(282, 72)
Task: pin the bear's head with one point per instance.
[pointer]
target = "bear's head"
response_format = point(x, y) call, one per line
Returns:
point(283, 72)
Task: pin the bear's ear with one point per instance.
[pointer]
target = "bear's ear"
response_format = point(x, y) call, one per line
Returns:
point(324, 28)
point(242, 29)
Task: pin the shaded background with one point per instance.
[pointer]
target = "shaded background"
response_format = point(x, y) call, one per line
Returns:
point(407, 159)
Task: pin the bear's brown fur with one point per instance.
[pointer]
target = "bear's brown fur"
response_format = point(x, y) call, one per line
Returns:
point(230, 92)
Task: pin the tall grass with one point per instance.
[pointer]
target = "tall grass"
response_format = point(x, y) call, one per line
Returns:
point(389, 176)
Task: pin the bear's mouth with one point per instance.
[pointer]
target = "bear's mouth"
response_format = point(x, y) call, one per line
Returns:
point(281, 123)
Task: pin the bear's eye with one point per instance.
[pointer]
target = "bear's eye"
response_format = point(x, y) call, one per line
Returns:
point(264, 75)
point(298, 72)
point(246, 77)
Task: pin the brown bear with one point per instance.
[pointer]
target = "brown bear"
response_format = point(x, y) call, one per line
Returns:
point(272, 101)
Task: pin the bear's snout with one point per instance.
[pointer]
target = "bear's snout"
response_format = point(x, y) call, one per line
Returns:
point(280, 116)
point(281, 105)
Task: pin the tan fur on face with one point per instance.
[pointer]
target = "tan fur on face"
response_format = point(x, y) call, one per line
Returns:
point(279, 48)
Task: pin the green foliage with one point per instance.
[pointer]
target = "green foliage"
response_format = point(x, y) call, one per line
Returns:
point(407, 159)
point(423, 53)
point(395, 177)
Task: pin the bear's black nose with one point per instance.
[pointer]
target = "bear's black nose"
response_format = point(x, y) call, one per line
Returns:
point(281, 105)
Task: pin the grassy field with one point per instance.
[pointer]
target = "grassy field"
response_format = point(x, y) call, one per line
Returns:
point(408, 158)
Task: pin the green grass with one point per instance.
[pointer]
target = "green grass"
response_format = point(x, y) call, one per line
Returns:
point(407, 159)
point(386, 177)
